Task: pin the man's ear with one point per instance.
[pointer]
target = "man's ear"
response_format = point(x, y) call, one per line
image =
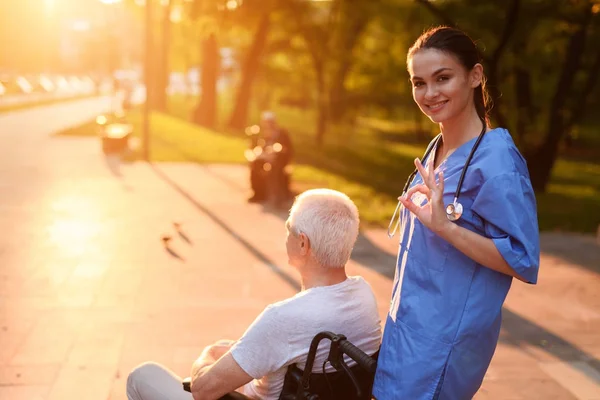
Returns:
point(476, 75)
point(304, 244)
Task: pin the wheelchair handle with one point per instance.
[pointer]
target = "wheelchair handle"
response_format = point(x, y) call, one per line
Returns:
point(361, 358)
point(187, 384)
point(339, 346)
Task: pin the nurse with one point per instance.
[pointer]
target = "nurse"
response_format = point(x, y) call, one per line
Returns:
point(454, 270)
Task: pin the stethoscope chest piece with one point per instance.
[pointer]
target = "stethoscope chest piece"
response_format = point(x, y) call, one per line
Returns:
point(454, 210)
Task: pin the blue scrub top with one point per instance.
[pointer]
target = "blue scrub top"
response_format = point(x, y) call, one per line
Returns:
point(445, 314)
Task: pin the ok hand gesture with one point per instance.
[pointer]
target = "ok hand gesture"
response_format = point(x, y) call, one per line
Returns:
point(433, 213)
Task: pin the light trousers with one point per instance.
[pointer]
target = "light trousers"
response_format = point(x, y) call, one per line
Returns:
point(152, 381)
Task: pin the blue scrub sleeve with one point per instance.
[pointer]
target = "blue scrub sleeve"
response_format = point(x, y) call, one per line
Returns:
point(507, 205)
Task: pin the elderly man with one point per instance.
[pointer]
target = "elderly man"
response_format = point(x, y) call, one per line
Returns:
point(321, 231)
point(272, 153)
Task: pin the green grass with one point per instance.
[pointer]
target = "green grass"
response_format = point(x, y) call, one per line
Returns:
point(46, 102)
point(572, 199)
point(357, 160)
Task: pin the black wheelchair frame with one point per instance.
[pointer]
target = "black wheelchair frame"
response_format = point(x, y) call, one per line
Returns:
point(345, 383)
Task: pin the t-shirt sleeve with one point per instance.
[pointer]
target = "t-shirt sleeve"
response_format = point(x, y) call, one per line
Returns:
point(507, 205)
point(264, 347)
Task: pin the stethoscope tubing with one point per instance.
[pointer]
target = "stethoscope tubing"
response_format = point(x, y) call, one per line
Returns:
point(455, 203)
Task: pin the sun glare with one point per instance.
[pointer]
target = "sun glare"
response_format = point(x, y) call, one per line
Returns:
point(232, 4)
point(75, 227)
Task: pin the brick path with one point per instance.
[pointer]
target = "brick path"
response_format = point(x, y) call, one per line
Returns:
point(87, 289)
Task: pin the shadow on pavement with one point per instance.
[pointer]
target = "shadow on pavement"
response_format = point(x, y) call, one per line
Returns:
point(255, 252)
point(185, 237)
point(113, 162)
point(174, 254)
point(574, 248)
point(190, 157)
point(521, 331)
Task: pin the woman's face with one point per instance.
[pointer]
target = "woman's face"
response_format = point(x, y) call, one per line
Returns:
point(441, 86)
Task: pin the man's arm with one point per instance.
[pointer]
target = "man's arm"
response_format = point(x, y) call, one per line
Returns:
point(211, 354)
point(216, 373)
point(262, 349)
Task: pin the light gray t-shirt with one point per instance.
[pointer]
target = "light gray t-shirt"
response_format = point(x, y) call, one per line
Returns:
point(281, 334)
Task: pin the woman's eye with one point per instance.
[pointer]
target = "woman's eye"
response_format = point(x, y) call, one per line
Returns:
point(443, 78)
point(418, 84)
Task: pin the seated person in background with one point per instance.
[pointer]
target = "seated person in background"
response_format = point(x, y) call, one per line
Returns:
point(321, 231)
point(271, 153)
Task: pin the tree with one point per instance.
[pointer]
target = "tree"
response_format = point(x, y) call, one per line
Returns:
point(543, 111)
point(250, 67)
point(205, 113)
point(163, 74)
point(354, 19)
point(330, 31)
point(209, 15)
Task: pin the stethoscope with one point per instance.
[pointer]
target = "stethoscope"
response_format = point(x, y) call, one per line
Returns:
point(454, 210)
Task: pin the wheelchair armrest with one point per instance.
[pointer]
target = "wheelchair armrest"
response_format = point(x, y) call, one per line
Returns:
point(187, 386)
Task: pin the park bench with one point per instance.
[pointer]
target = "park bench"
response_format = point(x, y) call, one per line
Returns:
point(114, 132)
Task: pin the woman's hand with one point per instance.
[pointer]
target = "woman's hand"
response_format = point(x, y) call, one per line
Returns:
point(433, 213)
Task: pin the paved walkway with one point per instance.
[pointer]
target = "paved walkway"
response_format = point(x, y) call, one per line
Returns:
point(87, 289)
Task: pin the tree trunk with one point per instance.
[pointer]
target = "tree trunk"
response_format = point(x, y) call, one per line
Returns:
point(541, 160)
point(163, 75)
point(205, 113)
point(512, 15)
point(321, 103)
point(584, 98)
point(524, 110)
point(540, 166)
point(337, 94)
point(445, 19)
point(239, 114)
point(321, 123)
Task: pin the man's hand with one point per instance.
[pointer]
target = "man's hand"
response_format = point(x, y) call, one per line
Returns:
point(216, 373)
point(218, 350)
point(211, 354)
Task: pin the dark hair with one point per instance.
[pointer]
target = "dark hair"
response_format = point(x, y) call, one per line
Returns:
point(456, 42)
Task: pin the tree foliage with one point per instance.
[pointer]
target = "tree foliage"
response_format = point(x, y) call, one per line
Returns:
point(347, 58)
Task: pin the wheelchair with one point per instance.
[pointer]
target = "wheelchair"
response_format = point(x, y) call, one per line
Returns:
point(344, 383)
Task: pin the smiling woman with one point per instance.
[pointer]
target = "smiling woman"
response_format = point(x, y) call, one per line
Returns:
point(455, 263)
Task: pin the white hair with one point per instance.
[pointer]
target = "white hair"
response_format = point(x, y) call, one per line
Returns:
point(330, 221)
point(268, 116)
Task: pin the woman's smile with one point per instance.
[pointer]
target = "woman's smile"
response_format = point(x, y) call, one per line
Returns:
point(435, 107)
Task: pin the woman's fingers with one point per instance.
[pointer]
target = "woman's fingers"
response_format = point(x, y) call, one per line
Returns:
point(409, 205)
point(426, 173)
point(421, 188)
point(421, 170)
point(431, 174)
